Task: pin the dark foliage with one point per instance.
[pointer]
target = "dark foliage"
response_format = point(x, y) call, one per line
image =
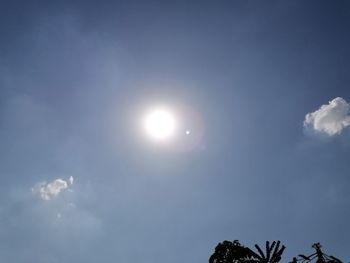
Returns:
point(234, 252)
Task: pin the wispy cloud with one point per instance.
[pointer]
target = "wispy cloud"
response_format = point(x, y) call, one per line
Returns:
point(49, 190)
point(329, 119)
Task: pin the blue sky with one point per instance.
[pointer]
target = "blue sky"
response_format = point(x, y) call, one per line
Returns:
point(263, 87)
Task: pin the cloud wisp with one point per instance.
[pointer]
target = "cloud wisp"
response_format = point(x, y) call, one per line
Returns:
point(49, 190)
point(330, 119)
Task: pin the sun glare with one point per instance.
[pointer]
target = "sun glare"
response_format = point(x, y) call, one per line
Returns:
point(160, 124)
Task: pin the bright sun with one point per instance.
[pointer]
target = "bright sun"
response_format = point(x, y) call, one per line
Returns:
point(160, 124)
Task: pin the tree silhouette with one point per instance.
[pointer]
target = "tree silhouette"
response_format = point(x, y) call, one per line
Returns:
point(269, 257)
point(234, 252)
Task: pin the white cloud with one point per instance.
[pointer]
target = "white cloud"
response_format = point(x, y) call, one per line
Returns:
point(49, 190)
point(330, 118)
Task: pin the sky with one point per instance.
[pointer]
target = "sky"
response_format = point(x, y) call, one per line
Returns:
point(262, 87)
